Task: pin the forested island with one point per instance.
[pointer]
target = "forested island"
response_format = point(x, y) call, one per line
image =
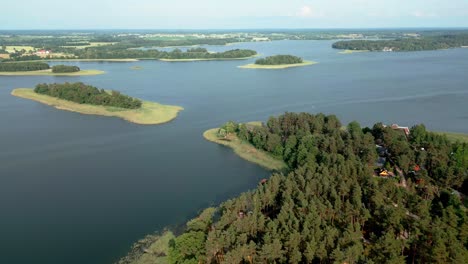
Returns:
point(278, 62)
point(65, 68)
point(337, 202)
point(406, 44)
point(87, 99)
point(42, 68)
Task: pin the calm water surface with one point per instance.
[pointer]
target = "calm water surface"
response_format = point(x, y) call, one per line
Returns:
point(81, 189)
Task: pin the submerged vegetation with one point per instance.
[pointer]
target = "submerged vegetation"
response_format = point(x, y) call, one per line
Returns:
point(406, 44)
point(87, 94)
point(332, 206)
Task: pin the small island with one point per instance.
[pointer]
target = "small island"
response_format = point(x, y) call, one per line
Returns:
point(86, 99)
point(278, 62)
point(42, 68)
point(232, 135)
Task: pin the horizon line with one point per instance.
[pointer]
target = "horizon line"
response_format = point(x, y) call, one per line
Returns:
point(231, 29)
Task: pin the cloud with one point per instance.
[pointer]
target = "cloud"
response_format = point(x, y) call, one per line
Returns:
point(305, 11)
point(419, 13)
point(308, 11)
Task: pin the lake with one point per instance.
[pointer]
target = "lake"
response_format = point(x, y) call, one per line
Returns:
point(82, 189)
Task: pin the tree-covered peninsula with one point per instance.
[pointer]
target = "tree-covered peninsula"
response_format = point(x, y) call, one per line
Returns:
point(406, 44)
point(42, 68)
point(350, 195)
point(87, 99)
point(278, 62)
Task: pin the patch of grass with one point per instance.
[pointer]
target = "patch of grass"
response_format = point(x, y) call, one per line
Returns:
point(50, 73)
point(91, 44)
point(150, 113)
point(277, 67)
point(455, 136)
point(246, 150)
point(136, 68)
point(351, 51)
point(157, 252)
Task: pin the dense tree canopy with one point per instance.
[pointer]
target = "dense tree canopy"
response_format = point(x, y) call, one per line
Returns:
point(121, 51)
point(65, 68)
point(23, 66)
point(279, 60)
point(406, 44)
point(330, 207)
point(87, 94)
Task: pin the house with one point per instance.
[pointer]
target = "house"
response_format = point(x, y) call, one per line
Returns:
point(387, 49)
point(385, 173)
point(43, 52)
point(405, 130)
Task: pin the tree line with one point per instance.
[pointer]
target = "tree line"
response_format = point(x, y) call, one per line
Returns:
point(87, 94)
point(23, 66)
point(114, 52)
point(329, 207)
point(65, 69)
point(279, 60)
point(406, 44)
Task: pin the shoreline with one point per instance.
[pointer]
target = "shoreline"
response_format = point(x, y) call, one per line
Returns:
point(352, 51)
point(150, 113)
point(277, 67)
point(50, 73)
point(246, 151)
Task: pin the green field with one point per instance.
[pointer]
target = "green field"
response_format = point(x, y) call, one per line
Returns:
point(50, 73)
point(246, 150)
point(455, 136)
point(277, 67)
point(149, 114)
point(91, 44)
point(11, 49)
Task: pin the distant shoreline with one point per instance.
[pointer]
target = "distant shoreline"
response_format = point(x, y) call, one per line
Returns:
point(50, 73)
point(277, 67)
point(150, 113)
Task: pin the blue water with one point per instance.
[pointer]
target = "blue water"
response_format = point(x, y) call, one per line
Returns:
point(81, 189)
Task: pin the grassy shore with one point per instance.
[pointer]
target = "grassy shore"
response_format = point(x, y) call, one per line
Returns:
point(50, 73)
point(149, 114)
point(246, 150)
point(455, 136)
point(277, 67)
point(352, 51)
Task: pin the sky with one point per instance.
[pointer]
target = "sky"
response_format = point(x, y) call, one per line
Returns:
point(231, 14)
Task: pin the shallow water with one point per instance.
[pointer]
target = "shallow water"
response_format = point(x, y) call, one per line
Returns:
point(81, 189)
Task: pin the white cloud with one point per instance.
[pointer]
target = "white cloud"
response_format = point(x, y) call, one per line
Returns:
point(419, 13)
point(308, 11)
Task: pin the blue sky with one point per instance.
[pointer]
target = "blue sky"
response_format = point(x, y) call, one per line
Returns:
point(231, 14)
